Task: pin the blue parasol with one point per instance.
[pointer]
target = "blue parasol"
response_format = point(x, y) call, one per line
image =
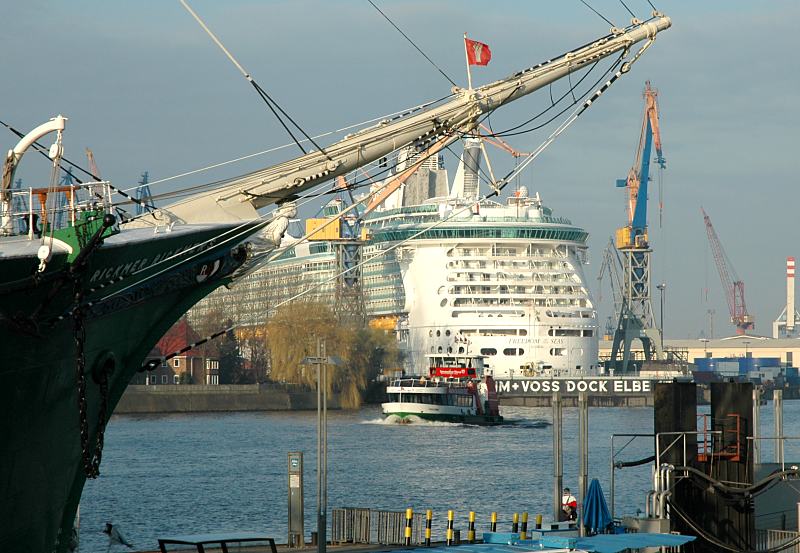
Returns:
point(596, 517)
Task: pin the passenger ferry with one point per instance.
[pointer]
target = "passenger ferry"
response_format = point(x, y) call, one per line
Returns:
point(456, 389)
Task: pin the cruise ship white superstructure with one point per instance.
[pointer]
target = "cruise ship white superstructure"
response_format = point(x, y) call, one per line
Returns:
point(504, 280)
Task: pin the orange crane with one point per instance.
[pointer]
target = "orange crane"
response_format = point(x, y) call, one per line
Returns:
point(92, 164)
point(732, 285)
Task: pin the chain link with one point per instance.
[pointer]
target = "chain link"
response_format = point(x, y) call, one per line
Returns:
point(91, 460)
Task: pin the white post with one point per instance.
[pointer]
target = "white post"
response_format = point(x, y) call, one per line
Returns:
point(777, 404)
point(466, 56)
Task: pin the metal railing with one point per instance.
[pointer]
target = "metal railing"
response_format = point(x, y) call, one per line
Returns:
point(766, 540)
point(31, 206)
point(353, 525)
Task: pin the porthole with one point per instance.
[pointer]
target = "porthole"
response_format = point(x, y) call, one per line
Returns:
point(443, 303)
point(447, 333)
point(438, 333)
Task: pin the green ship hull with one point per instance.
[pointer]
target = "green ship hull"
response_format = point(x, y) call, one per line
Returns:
point(42, 467)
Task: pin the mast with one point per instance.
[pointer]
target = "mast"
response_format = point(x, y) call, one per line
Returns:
point(239, 199)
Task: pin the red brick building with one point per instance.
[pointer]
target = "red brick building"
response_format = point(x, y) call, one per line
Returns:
point(190, 367)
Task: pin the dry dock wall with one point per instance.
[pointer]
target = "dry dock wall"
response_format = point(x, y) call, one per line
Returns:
point(224, 398)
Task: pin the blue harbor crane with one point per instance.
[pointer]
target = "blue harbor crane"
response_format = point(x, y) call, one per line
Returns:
point(144, 195)
point(635, 317)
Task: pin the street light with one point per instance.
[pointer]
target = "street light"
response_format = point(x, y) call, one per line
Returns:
point(661, 287)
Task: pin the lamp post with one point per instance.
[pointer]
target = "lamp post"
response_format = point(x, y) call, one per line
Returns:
point(661, 287)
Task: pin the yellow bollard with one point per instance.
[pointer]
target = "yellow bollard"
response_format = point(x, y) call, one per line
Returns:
point(409, 518)
point(515, 523)
point(449, 527)
point(538, 522)
point(471, 528)
point(428, 518)
point(524, 534)
point(493, 525)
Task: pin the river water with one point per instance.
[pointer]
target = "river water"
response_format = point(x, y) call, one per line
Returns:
point(184, 474)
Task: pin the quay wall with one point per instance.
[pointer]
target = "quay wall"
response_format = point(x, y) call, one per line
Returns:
point(644, 400)
point(195, 398)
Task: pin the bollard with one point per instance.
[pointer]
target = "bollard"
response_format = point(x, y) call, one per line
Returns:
point(538, 522)
point(493, 525)
point(449, 527)
point(471, 528)
point(524, 534)
point(515, 523)
point(428, 518)
point(409, 518)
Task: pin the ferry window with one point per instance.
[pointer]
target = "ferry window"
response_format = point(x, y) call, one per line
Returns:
point(443, 303)
point(488, 351)
point(577, 367)
point(461, 349)
point(521, 351)
point(523, 332)
point(439, 349)
point(449, 350)
point(430, 333)
point(588, 333)
point(438, 333)
point(557, 351)
point(447, 333)
point(510, 351)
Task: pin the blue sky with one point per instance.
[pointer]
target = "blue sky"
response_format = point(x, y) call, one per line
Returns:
point(145, 89)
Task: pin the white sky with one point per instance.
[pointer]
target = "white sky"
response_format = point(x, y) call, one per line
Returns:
point(145, 89)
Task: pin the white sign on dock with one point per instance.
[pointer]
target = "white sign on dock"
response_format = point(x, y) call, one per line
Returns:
point(600, 386)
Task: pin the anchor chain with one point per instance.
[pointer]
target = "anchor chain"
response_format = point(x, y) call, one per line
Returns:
point(91, 460)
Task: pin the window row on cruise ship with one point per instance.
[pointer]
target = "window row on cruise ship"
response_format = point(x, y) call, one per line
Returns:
point(482, 232)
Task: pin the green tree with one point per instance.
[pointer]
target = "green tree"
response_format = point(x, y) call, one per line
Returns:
point(291, 336)
point(231, 364)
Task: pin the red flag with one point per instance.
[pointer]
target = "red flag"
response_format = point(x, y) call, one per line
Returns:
point(478, 53)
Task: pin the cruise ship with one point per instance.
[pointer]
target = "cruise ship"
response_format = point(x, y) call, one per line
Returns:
point(503, 280)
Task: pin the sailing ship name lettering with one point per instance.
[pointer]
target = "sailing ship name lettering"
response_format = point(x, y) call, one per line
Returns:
point(117, 271)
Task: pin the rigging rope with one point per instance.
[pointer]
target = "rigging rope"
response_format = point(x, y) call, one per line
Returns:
point(38, 147)
point(633, 15)
point(439, 69)
point(604, 18)
point(271, 103)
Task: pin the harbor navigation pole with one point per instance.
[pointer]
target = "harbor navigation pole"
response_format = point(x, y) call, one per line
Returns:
point(558, 471)
point(321, 362)
point(322, 446)
point(756, 425)
point(583, 454)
